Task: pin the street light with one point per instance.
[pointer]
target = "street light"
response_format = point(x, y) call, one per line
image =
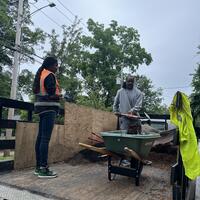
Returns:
point(49, 5)
point(20, 20)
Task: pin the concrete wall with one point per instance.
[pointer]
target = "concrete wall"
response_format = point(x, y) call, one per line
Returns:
point(79, 122)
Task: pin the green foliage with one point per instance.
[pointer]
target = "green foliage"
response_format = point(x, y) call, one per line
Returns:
point(195, 97)
point(92, 100)
point(5, 82)
point(7, 32)
point(26, 82)
point(68, 52)
point(24, 116)
point(103, 55)
point(30, 38)
point(152, 102)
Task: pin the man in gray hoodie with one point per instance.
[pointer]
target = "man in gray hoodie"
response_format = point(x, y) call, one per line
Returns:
point(128, 100)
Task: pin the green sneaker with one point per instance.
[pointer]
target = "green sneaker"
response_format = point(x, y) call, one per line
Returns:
point(37, 169)
point(44, 172)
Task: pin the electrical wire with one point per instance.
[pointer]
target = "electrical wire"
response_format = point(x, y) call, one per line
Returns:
point(6, 45)
point(66, 8)
point(70, 12)
point(13, 49)
point(171, 88)
point(62, 13)
point(48, 17)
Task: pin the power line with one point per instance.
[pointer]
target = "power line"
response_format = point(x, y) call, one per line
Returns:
point(48, 17)
point(62, 13)
point(13, 49)
point(66, 8)
point(20, 48)
point(171, 88)
point(71, 12)
point(64, 16)
point(7, 45)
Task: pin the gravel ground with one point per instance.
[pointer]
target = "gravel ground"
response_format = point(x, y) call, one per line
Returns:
point(80, 179)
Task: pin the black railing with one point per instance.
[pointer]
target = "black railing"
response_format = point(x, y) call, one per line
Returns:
point(20, 105)
point(11, 124)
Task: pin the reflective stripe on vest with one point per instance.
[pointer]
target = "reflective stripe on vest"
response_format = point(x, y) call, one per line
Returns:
point(44, 74)
point(47, 104)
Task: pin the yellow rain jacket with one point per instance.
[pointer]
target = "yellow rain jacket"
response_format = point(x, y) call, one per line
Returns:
point(182, 118)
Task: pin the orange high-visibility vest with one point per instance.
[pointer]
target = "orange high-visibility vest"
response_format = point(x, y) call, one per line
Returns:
point(43, 75)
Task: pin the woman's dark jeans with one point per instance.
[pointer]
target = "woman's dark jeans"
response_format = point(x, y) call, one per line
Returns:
point(46, 124)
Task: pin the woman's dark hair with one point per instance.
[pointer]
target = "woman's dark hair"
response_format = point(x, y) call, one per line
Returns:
point(47, 63)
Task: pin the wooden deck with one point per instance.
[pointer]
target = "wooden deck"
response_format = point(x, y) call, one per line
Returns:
point(84, 181)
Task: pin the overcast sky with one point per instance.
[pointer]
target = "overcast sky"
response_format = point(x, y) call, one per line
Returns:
point(169, 30)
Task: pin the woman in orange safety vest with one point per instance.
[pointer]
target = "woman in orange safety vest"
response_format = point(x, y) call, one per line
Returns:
point(47, 93)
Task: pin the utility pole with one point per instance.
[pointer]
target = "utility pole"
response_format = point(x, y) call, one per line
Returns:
point(15, 62)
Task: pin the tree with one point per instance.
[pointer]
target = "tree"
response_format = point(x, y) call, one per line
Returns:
point(195, 96)
point(26, 79)
point(103, 55)
point(68, 51)
point(4, 82)
point(8, 15)
point(152, 102)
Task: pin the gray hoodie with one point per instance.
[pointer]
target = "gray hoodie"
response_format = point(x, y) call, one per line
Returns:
point(128, 100)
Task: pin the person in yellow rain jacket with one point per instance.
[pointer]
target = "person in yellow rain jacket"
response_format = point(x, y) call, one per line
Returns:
point(181, 116)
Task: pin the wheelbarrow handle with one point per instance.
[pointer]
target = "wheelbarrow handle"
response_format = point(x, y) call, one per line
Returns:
point(131, 116)
point(101, 150)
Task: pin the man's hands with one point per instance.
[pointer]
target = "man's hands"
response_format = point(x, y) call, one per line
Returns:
point(134, 111)
point(117, 113)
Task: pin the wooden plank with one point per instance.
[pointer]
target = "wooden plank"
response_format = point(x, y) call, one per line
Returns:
point(26, 134)
point(78, 126)
point(81, 121)
point(103, 121)
point(57, 146)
